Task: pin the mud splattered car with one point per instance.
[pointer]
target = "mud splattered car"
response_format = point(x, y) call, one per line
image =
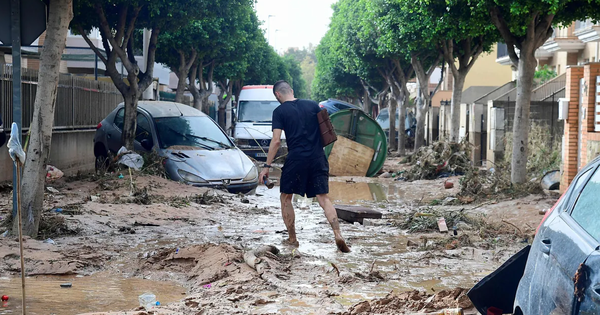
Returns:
point(560, 273)
point(195, 148)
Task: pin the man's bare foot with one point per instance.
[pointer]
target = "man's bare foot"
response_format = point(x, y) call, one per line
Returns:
point(287, 242)
point(341, 245)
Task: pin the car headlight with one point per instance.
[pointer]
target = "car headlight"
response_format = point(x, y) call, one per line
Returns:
point(189, 177)
point(252, 175)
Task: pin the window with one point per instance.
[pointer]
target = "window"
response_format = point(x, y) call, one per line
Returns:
point(143, 129)
point(256, 111)
point(120, 118)
point(585, 211)
point(576, 188)
point(341, 106)
point(197, 132)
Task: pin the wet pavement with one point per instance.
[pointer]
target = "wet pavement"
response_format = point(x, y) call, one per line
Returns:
point(250, 222)
point(87, 294)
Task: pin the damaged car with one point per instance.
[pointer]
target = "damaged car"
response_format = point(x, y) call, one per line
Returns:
point(195, 149)
point(560, 272)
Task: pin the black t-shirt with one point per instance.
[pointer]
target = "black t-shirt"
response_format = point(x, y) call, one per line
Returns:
point(298, 119)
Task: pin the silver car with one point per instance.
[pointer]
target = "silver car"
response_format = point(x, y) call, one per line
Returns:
point(196, 150)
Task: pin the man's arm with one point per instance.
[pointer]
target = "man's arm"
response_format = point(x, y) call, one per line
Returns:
point(274, 146)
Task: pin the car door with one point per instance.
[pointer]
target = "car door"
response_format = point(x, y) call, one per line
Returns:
point(143, 131)
point(557, 252)
point(114, 133)
point(586, 214)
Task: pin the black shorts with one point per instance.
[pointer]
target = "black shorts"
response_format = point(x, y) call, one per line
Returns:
point(308, 177)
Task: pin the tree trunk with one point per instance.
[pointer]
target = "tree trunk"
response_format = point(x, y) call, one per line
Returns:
point(402, 126)
point(527, 64)
point(181, 84)
point(34, 173)
point(204, 103)
point(130, 121)
point(459, 83)
point(367, 102)
point(223, 101)
point(392, 101)
point(421, 113)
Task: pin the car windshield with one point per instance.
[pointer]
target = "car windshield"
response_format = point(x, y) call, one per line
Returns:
point(384, 119)
point(194, 131)
point(256, 111)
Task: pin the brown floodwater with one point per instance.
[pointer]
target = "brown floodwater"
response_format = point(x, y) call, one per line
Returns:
point(88, 294)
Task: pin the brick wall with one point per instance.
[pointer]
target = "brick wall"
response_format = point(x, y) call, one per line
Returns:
point(570, 140)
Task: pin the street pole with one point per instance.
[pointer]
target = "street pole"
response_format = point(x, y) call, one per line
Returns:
point(15, 17)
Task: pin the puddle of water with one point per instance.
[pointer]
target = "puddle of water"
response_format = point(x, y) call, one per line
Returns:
point(88, 294)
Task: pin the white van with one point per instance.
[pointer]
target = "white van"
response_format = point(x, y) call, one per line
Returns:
point(254, 112)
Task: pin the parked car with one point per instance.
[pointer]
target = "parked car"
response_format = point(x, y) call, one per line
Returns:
point(196, 150)
point(333, 105)
point(410, 124)
point(562, 270)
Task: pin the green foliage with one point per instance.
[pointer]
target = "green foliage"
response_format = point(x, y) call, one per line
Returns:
point(153, 14)
point(307, 60)
point(544, 74)
point(332, 80)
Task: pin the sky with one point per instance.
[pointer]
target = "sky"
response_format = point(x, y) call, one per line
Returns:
point(295, 23)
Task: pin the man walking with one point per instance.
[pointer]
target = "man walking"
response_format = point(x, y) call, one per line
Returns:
point(306, 170)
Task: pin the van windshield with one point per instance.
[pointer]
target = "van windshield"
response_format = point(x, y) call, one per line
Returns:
point(256, 111)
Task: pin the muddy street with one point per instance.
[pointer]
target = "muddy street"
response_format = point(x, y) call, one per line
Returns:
point(187, 246)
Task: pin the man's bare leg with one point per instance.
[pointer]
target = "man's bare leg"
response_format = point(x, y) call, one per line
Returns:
point(289, 218)
point(332, 217)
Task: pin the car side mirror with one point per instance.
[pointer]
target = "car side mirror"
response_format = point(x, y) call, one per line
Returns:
point(147, 144)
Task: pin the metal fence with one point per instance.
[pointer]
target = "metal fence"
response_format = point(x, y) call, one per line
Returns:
point(80, 103)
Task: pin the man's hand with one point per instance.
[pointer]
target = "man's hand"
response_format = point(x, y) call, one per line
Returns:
point(263, 174)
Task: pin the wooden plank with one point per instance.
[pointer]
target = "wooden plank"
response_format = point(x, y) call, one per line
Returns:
point(356, 213)
point(349, 158)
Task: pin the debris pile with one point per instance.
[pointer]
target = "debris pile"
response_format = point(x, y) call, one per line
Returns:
point(441, 159)
point(414, 301)
point(426, 220)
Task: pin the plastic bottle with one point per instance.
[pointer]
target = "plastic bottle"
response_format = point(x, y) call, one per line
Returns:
point(147, 300)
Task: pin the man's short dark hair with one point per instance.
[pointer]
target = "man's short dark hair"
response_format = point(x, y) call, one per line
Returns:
point(282, 87)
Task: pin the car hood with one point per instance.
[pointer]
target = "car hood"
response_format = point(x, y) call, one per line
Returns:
point(212, 165)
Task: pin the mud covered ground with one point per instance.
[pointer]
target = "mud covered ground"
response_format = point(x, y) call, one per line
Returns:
point(192, 241)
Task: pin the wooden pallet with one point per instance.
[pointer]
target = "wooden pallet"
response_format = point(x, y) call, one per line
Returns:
point(349, 158)
point(356, 213)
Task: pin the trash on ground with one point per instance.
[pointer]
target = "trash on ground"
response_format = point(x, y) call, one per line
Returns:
point(53, 190)
point(53, 173)
point(356, 213)
point(66, 285)
point(499, 288)
point(147, 300)
point(551, 180)
point(441, 159)
point(50, 241)
point(441, 222)
point(448, 185)
point(130, 159)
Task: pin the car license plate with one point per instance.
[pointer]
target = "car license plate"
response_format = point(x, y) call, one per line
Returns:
point(261, 155)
